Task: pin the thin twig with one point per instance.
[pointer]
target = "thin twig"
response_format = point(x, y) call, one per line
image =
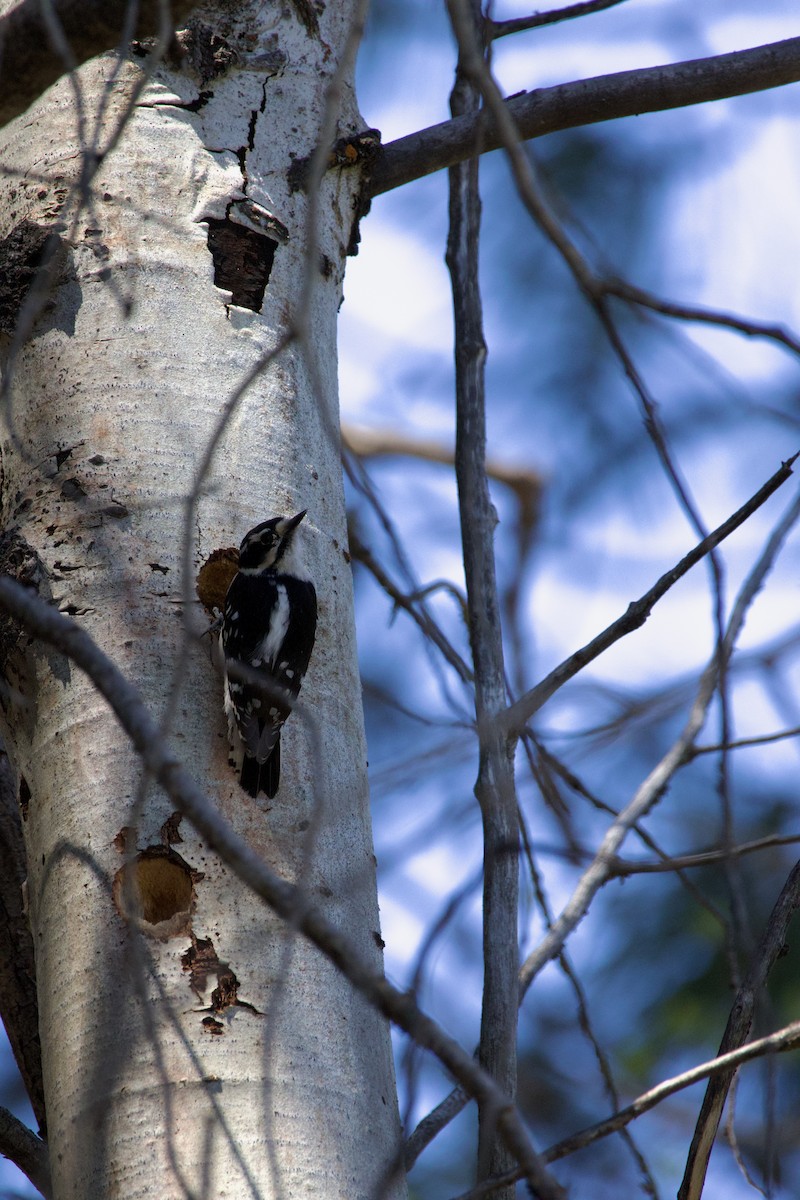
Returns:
point(360, 552)
point(658, 780)
point(526, 483)
point(623, 868)
point(498, 29)
point(647, 795)
point(585, 1017)
point(358, 475)
point(435, 1121)
point(740, 1020)
point(785, 1039)
point(637, 612)
point(697, 313)
point(763, 739)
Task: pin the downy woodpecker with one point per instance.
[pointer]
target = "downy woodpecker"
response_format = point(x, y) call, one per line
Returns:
point(268, 627)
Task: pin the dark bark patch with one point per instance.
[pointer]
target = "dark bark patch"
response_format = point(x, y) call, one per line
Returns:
point(171, 829)
point(201, 962)
point(19, 560)
point(242, 262)
point(27, 250)
point(72, 489)
point(115, 511)
point(24, 797)
point(357, 149)
point(226, 993)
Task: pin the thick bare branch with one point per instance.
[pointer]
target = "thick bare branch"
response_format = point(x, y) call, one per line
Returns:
point(586, 102)
point(30, 62)
point(494, 787)
point(25, 1150)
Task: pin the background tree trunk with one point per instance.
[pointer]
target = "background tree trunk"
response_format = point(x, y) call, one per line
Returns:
point(224, 1056)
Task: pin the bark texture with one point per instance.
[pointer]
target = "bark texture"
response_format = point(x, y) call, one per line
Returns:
point(215, 1054)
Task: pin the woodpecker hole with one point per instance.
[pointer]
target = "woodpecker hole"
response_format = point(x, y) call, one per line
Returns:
point(242, 262)
point(214, 578)
point(156, 890)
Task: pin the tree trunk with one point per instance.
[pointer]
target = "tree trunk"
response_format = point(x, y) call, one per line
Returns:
point(200, 1049)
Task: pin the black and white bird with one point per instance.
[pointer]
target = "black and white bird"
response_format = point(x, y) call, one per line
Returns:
point(268, 627)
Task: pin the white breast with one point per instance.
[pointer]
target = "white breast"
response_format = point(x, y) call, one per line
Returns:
point(292, 562)
point(270, 646)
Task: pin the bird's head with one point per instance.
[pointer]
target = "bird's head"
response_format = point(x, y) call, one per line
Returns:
point(267, 544)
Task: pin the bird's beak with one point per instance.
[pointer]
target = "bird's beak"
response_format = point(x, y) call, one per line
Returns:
point(289, 523)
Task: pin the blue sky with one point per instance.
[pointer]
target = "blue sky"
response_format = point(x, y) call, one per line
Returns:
point(700, 205)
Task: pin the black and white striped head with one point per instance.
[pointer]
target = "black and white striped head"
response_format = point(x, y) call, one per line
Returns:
point(268, 545)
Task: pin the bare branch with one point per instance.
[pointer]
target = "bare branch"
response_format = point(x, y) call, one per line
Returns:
point(698, 314)
point(659, 778)
point(494, 788)
point(646, 796)
point(30, 62)
point(359, 477)
point(736, 1033)
point(518, 714)
point(526, 483)
point(25, 1150)
point(361, 553)
point(587, 102)
point(784, 1039)
point(764, 739)
point(622, 867)
point(583, 1012)
point(774, 1043)
point(498, 29)
point(606, 863)
point(49, 625)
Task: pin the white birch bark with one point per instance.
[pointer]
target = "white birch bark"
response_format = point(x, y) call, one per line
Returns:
point(152, 1090)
